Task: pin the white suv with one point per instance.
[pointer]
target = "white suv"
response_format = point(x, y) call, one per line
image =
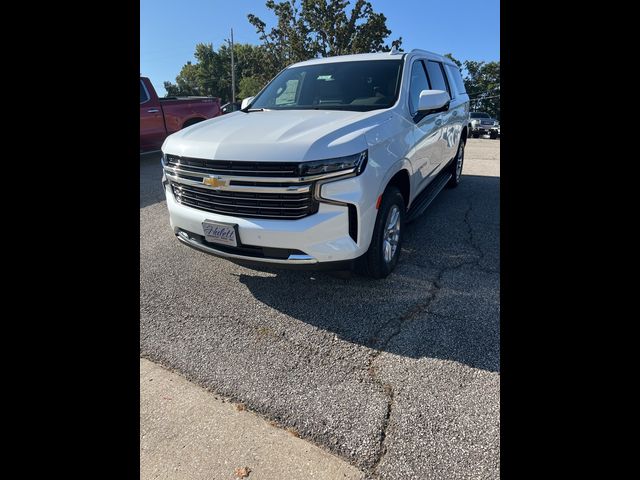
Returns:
point(324, 166)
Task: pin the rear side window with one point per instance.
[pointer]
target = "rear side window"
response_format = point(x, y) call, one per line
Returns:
point(419, 82)
point(436, 77)
point(143, 93)
point(454, 75)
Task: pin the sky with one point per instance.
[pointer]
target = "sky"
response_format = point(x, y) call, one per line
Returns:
point(170, 29)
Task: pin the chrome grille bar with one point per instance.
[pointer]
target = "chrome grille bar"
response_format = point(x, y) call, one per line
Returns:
point(311, 178)
point(237, 205)
point(264, 188)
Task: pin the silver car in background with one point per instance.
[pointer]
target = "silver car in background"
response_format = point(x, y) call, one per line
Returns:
point(481, 123)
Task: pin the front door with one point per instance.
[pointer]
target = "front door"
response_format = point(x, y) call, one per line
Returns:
point(427, 131)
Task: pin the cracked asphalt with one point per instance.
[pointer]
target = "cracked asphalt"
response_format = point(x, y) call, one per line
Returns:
point(401, 377)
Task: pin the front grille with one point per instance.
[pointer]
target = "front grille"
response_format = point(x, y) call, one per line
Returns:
point(233, 167)
point(246, 204)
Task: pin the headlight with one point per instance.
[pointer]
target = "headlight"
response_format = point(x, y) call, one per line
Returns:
point(319, 167)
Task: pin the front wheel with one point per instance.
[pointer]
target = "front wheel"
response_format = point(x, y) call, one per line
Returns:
point(384, 251)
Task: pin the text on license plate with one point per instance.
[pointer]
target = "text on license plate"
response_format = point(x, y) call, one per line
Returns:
point(223, 233)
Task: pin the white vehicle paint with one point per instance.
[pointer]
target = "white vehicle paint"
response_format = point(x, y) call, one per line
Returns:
point(298, 177)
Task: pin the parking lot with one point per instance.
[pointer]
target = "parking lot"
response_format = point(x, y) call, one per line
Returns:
point(401, 377)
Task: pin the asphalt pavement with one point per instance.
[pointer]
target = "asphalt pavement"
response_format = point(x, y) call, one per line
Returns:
point(400, 377)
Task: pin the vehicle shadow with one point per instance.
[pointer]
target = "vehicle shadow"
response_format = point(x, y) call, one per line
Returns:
point(150, 179)
point(442, 301)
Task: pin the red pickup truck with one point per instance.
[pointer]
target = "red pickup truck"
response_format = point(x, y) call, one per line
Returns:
point(160, 117)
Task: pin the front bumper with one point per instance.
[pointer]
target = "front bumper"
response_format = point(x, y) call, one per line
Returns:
point(484, 128)
point(320, 238)
point(292, 262)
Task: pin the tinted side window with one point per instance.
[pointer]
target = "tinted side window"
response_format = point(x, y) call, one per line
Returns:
point(454, 74)
point(436, 77)
point(143, 93)
point(419, 82)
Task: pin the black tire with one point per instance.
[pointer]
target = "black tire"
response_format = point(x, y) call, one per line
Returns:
point(456, 173)
point(193, 121)
point(493, 136)
point(476, 135)
point(373, 262)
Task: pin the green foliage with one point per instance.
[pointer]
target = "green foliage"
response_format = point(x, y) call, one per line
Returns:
point(186, 82)
point(211, 75)
point(454, 60)
point(320, 28)
point(250, 86)
point(482, 83)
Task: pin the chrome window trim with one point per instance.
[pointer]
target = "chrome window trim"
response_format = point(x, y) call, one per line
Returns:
point(145, 91)
point(426, 75)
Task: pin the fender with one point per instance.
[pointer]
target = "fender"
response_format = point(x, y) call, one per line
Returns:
point(402, 164)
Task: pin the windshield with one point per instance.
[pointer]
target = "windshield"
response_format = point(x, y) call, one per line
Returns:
point(360, 86)
point(479, 115)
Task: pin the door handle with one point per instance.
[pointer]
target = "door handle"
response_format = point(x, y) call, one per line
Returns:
point(153, 110)
point(438, 122)
point(455, 113)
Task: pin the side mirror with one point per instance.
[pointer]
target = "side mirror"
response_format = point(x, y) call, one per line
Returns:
point(245, 103)
point(432, 100)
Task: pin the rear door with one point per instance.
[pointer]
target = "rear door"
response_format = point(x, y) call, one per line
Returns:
point(459, 105)
point(448, 119)
point(152, 131)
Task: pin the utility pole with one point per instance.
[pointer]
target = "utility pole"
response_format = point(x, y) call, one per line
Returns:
point(233, 72)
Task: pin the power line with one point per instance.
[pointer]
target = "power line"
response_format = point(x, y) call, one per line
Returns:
point(484, 98)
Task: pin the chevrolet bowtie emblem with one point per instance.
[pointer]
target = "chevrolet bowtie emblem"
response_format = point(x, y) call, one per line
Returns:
point(215, 182)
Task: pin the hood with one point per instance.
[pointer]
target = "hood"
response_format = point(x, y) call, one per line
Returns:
point(276, 135)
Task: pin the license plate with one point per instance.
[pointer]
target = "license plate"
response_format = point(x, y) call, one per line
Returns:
point(223, 233)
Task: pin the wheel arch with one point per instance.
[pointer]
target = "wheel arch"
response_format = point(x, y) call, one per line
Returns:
point(402, 181)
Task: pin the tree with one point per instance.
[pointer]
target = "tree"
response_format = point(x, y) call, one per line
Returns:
point(320, 28)
point(305, 29)
point(250, 86)
point(482, 83)
point(186, 82)
point(454, 60)
point(211, 75)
